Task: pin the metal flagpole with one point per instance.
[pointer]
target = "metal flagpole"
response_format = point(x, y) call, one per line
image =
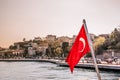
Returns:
point(92, 51)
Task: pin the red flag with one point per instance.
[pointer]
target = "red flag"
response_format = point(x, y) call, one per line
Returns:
point(79, 49)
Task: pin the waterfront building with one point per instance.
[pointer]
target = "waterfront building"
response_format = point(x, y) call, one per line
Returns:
point(37, 39)
point(92, 36)
point(64, 39)
point(50, 38)
point(42, 46)
point(31, 51)
point(18, 53)
point(105, 35)
point(21, 45)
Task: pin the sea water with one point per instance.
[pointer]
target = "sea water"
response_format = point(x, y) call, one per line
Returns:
point(49, 71)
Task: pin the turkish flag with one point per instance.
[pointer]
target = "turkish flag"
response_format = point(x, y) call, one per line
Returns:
point(79, 49)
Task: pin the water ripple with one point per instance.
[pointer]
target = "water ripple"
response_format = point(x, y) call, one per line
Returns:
point(48, 71)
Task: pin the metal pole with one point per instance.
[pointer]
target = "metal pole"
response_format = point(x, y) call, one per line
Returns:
point(92, 51)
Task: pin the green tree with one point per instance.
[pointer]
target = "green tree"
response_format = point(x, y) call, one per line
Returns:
point(118, 45)
point(12, 47)
point(65, 48)
point(115, 36)
point(115, 39)
point(97, 45)
point(106, 44)
point(53, 49)
point(58, 51)
point(24, 39)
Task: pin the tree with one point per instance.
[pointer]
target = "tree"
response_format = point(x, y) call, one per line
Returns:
point(58, 51)
point(118, 45)
point(106, 44)
point(12, 47)
point(24, 39)
point(54, 49)
point(115, 39)
point(65, 46)
point(115, 35)
point(97, 45)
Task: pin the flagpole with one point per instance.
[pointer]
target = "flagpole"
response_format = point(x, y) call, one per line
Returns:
point(92, 51)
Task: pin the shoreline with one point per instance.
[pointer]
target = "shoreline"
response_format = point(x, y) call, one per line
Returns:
point(28, 60)
point(110, 67)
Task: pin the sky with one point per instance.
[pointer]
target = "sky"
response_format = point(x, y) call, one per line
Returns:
point(37, 18)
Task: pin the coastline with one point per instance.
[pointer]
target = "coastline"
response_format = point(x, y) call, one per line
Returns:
point(29, 60)
point(110, 67)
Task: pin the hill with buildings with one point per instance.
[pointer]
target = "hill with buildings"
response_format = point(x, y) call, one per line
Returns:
point(51, 46)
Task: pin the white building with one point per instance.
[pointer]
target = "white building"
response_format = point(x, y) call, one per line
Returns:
point(31, 51)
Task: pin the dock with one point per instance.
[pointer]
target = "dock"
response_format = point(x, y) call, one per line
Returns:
point(91, 66)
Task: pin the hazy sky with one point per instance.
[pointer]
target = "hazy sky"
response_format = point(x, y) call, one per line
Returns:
point(32, 18)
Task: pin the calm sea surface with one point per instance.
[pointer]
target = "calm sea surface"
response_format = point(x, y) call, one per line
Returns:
point(48, 71)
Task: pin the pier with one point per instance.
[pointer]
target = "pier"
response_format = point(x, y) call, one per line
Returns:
point(91, 66)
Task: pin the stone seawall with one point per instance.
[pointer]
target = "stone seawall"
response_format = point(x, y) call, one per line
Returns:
point(29, 60)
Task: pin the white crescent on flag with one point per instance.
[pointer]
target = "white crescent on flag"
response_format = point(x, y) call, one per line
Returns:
point(83, 41)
